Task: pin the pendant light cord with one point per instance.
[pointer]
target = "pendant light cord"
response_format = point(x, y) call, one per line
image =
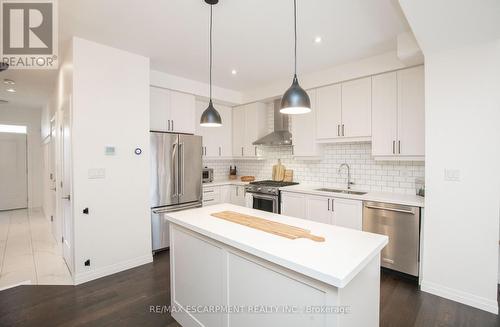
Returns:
point(211, 53)
point(295, 30)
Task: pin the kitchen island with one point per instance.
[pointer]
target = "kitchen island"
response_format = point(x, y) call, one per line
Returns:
point(227, 274)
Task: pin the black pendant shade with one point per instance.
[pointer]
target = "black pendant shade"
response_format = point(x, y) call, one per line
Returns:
point(210, 117)
point(295, 100)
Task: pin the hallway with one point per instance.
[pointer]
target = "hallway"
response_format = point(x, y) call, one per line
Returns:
point(29, 254)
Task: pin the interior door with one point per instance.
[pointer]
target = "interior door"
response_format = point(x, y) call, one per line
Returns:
point(190, 165)
point(66, 187)
point(164, 159)
point(13, 171)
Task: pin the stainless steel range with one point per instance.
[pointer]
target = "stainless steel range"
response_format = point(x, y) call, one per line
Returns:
point(266, 195)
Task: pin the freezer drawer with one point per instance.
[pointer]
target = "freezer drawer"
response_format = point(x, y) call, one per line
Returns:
point(402, 225)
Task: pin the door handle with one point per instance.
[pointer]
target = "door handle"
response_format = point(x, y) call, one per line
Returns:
point(390, 209)
point(338, 130)
point(343, 134)
point(333, 209)
point(242, 151)
point(168, 128)
point(393, 147)
point(173, 125)
point(255, 151)
point(220, 151)
point(181, 168)
point(174, 171)
point(399, 147)
point(328, 204)
point(67, 197)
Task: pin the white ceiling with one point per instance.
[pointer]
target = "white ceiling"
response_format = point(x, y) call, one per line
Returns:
point(253, 37)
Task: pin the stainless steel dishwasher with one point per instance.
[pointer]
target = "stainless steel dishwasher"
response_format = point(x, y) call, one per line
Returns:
point(402, 225)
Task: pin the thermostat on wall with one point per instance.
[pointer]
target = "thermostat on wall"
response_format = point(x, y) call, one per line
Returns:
point(109, 150)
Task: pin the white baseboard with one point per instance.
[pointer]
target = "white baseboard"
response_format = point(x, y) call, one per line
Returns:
point(461, 297)
point(112, 269)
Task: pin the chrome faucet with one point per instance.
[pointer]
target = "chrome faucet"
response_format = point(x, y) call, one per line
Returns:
point(349, 183)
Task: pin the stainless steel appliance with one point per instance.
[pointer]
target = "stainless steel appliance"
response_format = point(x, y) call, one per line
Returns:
point(175, 179)
point(207, 175)
point(281, 134)
point(266, 194)
point(402, 225)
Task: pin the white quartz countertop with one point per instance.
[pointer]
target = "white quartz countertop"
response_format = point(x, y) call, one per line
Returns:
point(403, 199)
point(336, 261)
point(225, 182)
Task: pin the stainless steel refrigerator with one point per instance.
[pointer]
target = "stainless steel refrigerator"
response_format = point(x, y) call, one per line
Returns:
point(176, 164)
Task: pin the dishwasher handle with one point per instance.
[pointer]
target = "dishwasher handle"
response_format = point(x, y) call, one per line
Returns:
point(390, 209)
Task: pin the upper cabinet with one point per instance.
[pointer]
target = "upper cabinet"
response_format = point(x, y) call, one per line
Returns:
point(398, 115)
point(344, 112)
point(304, 133)
point(217, 141)
point(249, 124)
point(171, 111)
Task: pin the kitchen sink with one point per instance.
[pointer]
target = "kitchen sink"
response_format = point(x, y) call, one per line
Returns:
point(340, 191)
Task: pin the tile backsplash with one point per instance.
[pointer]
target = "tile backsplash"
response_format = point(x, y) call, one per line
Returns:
point(366, 173)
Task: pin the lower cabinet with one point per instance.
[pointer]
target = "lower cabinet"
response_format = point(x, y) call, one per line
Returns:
point(234, 194)
point(328, 210)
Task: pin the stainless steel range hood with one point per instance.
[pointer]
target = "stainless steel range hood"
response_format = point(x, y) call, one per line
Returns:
point(281, 135)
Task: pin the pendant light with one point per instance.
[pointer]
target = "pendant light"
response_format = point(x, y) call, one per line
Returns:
point(210, 117)
point(295, 100)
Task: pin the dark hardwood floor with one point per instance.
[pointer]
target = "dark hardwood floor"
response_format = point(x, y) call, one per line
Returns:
point(124, 299)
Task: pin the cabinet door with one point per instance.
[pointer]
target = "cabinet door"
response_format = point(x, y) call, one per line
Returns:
point(225, 194)
point(255, 127)
point(384, 114)
point(319, 209)
point(357, 108)
point(293, 205)
point(329, 112)
point(411, 112)
point(182, 112)
point(159, 109)
point(348, 213)
point(304, 131)
point(224, 133)
point(238, 195)
point(238, 131)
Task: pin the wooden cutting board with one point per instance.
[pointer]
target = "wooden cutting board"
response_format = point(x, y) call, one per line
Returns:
point(267, 226)
point(278, 172)
point(288, 176)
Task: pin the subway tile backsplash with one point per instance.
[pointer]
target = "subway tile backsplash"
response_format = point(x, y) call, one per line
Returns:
point(367, 174)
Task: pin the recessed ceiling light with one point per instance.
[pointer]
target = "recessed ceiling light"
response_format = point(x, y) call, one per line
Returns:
point(11, 90)
point(317, 39)
point(234, 72)
point(9, 82)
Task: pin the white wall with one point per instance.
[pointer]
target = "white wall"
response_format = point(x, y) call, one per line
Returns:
point(462, 133)
point(31, 118)
point(110, 107)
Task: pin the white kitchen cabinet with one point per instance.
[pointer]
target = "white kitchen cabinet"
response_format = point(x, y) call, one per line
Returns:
point(304, 133)
point(324, 209)
point(357, 108)
point(347, 213)
point(398, 115)
point(171, 111)
point(249, 124)
point(217, 141)
point(328, 112)
point(211, 195)
point(344, 112)
point(319, 209)
point(293, 205)
point(238, 195)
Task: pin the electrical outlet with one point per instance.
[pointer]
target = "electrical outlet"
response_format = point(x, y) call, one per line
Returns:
point(87, 263)
point(97, 173)
point(452, 175)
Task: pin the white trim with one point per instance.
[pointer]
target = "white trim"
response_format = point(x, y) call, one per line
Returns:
point(87, 276)
point(26, 282)
point(461, 297)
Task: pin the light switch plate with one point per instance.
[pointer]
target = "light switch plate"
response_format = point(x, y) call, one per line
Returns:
point(97, 173)
point(452, 175)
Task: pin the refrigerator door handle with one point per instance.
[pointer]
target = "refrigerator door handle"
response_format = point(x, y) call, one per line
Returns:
point(180, 189)
point(175, 169)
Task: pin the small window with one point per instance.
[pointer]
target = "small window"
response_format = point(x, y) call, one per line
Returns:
point(13, 129)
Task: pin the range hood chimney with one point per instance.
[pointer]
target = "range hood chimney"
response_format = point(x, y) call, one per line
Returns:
point(281, 135)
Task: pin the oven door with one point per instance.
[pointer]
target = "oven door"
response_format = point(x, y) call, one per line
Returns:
point(265, 202)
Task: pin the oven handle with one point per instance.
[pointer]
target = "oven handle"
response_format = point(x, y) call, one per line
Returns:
point(265, 197)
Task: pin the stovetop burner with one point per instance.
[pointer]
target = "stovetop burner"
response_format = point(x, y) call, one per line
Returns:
point(273, 183)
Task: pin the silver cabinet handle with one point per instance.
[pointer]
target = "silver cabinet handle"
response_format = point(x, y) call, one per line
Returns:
point(338, 130)
point(393, 147)
point(332, 205)
point(181, 168)
point(343, 134)
point(168, 128)
point(220, 151)
point(211, 191)
point(399, 147)
point(173, 125)
point(390, 209)
point(242, 151)
point(255, 151)
point(328, 204)
point(67, 197)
